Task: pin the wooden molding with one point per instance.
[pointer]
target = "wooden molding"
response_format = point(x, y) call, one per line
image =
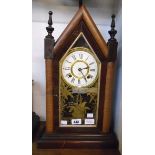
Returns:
point(94, 30)
point(82, 15)
point(78, 141)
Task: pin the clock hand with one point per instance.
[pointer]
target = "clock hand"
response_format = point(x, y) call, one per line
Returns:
point(85, 68)
point(84, 76)
point(80, 70)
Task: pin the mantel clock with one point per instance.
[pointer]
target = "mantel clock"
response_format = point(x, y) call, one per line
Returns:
point(79, 79)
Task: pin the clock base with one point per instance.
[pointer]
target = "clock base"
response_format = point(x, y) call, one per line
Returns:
point(79, 141)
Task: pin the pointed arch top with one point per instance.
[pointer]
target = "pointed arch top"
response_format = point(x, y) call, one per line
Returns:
point(83, 15)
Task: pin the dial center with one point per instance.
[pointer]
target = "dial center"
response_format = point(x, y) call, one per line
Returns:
point(79, 69)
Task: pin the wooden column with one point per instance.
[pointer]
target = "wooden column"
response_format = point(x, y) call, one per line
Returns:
point(112, 54)
point(48, 55)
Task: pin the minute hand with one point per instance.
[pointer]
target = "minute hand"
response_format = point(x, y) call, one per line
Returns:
point(83, 74)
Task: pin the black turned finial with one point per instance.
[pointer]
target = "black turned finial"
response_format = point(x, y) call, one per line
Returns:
point(50, 29)
point(50, 22)
point(113, 21)
point(112, 32)
point(49, 41)
point(80, 3)
point(112, 42)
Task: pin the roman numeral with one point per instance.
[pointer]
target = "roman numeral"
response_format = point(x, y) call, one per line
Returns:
point(73, 56)
point(91, 63)
point(68, 61)
point(81, 56)
point(92, 70)
point(79, 81)
point(87, 58)
point(67, 68)
point(73, 79)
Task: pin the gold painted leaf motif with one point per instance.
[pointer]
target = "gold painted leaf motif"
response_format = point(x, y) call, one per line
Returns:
point(79, 110)
point(93, 97)
point(66, 91)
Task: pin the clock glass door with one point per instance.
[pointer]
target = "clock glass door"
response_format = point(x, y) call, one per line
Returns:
point(79, 76)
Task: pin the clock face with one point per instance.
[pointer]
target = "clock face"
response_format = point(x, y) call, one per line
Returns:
point(79, 68)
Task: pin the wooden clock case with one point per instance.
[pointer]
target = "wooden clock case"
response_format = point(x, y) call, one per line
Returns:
point(102, 135)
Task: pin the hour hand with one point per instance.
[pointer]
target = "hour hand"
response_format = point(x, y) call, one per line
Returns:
point(85, 68)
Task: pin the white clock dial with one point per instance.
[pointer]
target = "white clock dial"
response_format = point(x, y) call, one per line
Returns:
point(80, 68)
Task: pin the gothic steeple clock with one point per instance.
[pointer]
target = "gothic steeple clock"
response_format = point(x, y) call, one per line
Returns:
point(79, 80)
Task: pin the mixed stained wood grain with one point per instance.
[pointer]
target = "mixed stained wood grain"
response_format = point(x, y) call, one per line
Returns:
point(108, 97)
point(49, 96)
